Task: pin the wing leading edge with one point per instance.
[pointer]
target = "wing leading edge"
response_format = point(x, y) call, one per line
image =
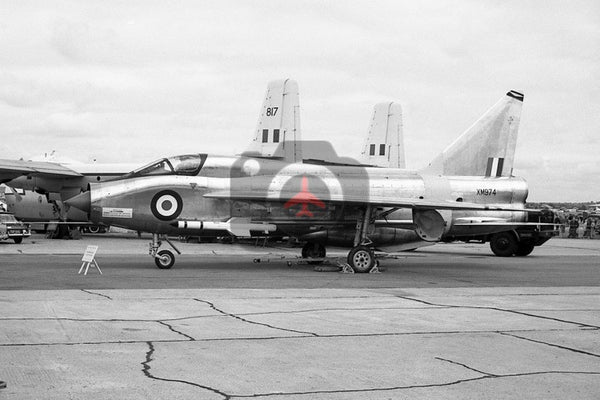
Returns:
point(10, 169)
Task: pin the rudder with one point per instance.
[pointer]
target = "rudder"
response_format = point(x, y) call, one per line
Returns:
point(278, 131)
point(384, 145)
point(487, 148)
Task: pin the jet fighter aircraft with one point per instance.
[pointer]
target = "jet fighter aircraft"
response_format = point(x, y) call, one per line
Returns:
point(467, 187)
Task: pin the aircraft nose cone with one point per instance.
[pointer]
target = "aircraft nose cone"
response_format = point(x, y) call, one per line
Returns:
point(81, 201)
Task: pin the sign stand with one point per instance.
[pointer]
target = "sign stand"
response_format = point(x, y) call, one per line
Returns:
point(88, 259)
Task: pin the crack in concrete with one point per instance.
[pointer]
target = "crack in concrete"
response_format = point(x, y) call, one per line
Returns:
point(104, 319)
point(97, 294)
point(524, 294)
point(176, 331)
point(550, 344)
point(465, 366)
point(211, 316)
point(485, 375)
point(211, 305)
point(146, 370)
point(424, 386)
point(306, 336)
point(339, 309)
point(580, 324)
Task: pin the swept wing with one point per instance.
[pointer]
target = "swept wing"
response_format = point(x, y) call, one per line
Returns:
point(10, 169)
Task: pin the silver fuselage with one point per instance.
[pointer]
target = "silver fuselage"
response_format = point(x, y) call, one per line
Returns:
point(127, 202)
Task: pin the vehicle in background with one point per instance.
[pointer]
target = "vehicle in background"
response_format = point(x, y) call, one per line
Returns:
point(11, 228)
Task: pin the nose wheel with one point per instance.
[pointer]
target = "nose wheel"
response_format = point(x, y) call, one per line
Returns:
point(164, 259)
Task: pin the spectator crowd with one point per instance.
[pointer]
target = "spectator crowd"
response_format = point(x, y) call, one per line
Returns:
point(579, 227)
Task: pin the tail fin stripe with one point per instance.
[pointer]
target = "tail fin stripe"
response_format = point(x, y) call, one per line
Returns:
point(490, 163)
point(500, 165)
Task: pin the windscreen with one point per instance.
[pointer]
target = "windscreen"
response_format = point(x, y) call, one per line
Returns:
point(189, 164)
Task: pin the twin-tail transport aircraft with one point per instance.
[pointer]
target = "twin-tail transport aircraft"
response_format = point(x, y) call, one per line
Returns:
point(467, 191)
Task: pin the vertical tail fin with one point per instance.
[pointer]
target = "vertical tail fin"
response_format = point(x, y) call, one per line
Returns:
point(278, 132)
point(384, 146)
point(487, 148)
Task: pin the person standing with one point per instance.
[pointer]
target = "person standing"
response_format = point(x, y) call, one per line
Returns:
point(587, 233)
point(573, 225)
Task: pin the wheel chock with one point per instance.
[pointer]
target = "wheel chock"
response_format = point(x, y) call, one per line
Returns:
point(346, 268)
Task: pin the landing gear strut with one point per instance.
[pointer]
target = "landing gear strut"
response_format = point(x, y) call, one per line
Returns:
point(361, 257)
point(164, 259)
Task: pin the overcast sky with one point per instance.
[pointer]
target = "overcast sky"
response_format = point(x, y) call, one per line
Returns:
point(129, 81)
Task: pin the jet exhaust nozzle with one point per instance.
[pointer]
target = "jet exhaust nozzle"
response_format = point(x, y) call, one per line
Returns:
point(81, 202)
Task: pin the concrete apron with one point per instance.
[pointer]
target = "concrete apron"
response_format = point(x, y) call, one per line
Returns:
point(301, 343)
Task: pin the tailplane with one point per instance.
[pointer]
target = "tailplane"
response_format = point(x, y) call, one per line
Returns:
point(384, 146)
point(488, 147)
point(277, 134)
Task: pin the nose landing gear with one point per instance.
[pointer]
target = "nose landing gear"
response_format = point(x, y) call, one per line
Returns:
point(164, 259)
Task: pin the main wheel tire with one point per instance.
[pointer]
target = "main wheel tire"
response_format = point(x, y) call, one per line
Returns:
point(18, 240)
point(504, 244)
point(361, 259)
point(524, 249)
point(165, 259)
point(93, 229)
point(314, 250)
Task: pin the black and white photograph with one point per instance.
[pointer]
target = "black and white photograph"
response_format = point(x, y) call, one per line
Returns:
point(317, 199)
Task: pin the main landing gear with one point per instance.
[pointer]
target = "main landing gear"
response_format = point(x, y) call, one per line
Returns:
point(164, 259)
point(506, 244)
point(362, 259)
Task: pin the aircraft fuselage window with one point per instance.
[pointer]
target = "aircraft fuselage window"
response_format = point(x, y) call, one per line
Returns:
point(382, 149)
point(265, 135)
point(276, 136)
point(372, 150)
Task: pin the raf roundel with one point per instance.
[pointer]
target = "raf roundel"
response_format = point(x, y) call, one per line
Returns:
point(166, 205)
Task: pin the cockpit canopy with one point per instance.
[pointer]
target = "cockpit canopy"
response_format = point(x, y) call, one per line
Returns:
point(189, 164)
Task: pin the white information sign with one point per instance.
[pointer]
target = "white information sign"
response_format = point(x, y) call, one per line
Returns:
point(88, 259)
point(90, 253)
point(112, 212)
